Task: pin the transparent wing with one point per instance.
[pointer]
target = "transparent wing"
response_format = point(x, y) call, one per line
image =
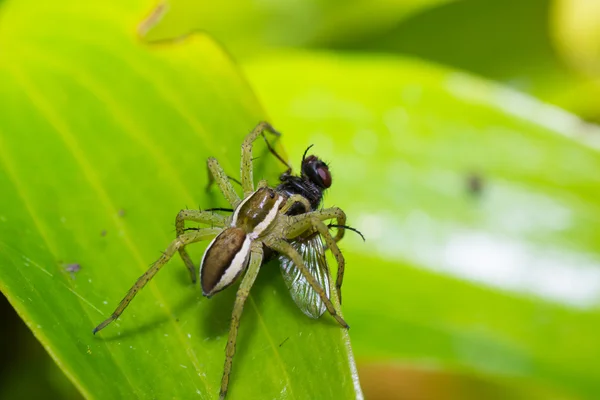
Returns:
point(312, 250)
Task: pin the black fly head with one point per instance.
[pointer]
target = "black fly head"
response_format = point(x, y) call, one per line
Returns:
point(314, 179)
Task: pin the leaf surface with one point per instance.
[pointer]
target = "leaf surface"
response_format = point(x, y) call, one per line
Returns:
point(479, 205)
point(103, 139)
point(247, 28)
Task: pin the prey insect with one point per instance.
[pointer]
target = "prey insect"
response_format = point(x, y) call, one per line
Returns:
point(258, 221)
point(311, 184)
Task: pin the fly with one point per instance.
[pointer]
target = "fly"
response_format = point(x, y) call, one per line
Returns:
point(315, 177)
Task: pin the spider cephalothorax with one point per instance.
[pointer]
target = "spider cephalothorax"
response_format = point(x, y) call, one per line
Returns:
point(259, 221)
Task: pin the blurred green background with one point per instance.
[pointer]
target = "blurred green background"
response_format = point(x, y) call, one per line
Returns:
point(463, 142)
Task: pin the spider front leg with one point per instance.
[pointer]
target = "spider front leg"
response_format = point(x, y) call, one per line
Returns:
point(286, 249)
point(182, 240)
point(301, 223)
point(337, 253)
point(203, 217)
point(246, 167)
point(313, 220)
point(274, 152)
point(293, 199)
point(256, 258)
point(223, 182)
point(211, 179)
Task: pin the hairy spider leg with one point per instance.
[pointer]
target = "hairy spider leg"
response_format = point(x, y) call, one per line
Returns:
point(256, 257)
point(302, 222)
point(211, 180)
point(223, 182)
point(246, 167)
point(182, 240)
point(246, 164)
point(307, 222)
point(286, 249)
point(274, 152)
point(203, 217)
point(337, 253)
point(293, 199)
point(262, 184)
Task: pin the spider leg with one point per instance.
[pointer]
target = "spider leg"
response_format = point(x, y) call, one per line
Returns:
point(203, 217)
point(223, 182)
point(339, 257)
point(182, 240)
point(262, 184)
point(211, 179)
point(303, 222)
point(246, 167)
point(286, 249)
point(256, 258)
point(293, 199)
point(272, 150)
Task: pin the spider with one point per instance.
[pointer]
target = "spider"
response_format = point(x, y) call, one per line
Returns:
point(258, 221)
point(311, 184)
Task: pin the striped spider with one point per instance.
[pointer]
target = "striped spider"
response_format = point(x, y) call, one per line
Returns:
point(259, 220)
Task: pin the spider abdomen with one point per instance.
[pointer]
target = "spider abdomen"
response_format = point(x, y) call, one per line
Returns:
point(226, 257)
point(224, 260)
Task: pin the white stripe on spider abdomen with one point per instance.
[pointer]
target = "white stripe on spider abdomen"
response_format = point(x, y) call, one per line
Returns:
point(226, 257)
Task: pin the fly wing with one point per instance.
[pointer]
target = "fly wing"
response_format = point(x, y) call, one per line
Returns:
point(312, 251)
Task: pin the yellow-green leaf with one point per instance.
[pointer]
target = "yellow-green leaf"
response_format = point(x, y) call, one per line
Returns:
point(248, 27)
point(480, 209)
point(103, 139)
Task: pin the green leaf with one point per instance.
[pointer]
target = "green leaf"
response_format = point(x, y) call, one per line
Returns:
point(102, 141)
point(500, 281)
point(539, 47)
point(247, 27)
